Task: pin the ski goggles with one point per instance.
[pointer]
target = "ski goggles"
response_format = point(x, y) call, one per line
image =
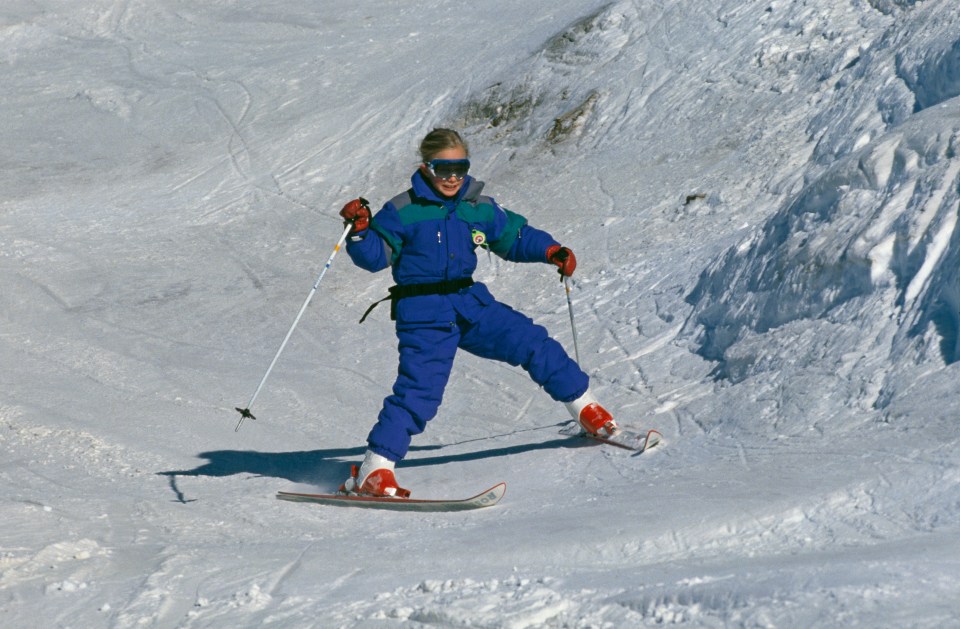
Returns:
point(447, 168)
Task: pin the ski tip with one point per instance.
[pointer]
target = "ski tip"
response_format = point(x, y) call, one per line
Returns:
point(653, 439)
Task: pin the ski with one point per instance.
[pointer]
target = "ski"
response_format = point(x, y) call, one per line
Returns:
point(635, 441)
point(486, 498)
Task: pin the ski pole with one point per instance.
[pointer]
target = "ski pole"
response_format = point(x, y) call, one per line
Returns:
point(245, 412)
point(573, 325)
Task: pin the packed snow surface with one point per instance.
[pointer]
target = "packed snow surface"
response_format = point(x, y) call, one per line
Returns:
point(763, 198)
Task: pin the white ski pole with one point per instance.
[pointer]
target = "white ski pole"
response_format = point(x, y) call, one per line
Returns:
point(245, 412)
point(573, 325)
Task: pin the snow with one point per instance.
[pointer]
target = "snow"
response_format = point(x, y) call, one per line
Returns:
point(763, 198)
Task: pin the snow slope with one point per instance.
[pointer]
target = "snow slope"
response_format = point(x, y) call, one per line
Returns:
point(763, 198)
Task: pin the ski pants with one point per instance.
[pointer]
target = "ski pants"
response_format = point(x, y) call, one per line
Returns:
point(426, 358)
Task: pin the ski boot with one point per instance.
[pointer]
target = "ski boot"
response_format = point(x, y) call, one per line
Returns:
point(373, 478)
point(593, 418)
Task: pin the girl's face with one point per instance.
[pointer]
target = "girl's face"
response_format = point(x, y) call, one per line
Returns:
point(450, 186)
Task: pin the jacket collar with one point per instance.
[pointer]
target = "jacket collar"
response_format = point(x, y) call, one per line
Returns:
point(470, 191)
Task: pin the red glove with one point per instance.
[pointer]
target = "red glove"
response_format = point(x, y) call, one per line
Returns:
point(358, 213)
point(563, 258)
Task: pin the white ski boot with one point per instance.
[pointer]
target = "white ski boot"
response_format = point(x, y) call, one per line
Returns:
point(595, 419)
point(374, 477)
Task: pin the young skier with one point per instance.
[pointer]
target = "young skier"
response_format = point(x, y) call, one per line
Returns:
point(428, 235)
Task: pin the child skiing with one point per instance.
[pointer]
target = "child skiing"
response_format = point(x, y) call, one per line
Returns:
point(428, 235)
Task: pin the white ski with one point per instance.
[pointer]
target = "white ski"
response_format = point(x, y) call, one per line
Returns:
point(636, 441)
point(486, 498)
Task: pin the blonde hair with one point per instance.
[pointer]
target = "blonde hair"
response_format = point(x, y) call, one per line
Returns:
point(440, 140)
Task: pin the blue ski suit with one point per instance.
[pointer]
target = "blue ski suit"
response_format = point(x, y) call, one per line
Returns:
point(430, 243)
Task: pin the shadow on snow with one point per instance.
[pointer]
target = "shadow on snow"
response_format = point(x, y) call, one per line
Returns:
point(328, 467)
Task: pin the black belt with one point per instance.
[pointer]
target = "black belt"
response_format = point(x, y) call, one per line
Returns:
point(400, 291)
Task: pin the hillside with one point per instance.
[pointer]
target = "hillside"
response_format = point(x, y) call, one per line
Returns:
point(762, 196)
